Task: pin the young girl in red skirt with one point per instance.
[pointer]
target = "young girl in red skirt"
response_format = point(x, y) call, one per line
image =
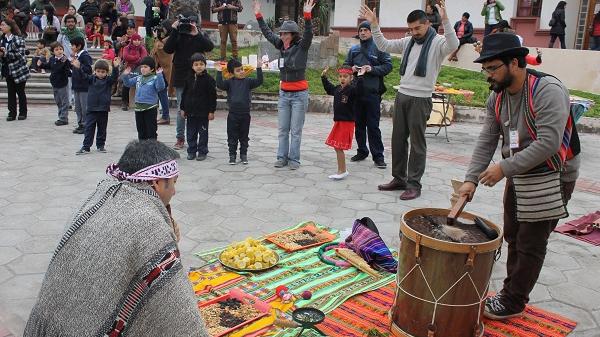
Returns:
point(344, 95)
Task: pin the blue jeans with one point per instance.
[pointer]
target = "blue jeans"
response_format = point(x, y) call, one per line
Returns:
point(292, 108)
point(163, 97)
point(180, 128)
point(37, 21)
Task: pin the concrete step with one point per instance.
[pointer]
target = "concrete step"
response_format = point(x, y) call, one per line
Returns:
point(48, 98)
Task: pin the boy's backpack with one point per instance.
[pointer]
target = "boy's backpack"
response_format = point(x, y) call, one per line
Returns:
point(570, 146)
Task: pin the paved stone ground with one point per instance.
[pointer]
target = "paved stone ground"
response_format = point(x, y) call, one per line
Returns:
point(42, 182)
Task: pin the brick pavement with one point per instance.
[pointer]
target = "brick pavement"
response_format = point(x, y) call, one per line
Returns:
point(42, 182)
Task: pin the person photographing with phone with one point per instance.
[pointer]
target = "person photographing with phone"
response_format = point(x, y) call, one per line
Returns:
point(376, 65)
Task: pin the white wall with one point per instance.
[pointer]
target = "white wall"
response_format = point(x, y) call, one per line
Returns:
point(458, 7)
point(584, 76)
point(571, 18)
point(393, 13)
point(346, 13)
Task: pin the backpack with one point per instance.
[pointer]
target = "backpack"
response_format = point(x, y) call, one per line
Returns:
point(570, 146)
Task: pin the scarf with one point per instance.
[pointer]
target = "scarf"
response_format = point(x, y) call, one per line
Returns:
point(71, 34)
point(421, 69)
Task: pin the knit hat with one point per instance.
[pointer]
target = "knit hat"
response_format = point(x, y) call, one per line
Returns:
point(148, 61)
point(135, 37)
point(364, 24)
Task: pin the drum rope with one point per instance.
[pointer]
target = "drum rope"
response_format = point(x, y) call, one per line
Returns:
point(437, 303)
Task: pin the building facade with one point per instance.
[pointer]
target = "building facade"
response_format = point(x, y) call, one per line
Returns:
point(529, 17)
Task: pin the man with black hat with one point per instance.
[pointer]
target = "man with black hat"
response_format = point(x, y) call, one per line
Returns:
point(540, 148)
point(424, 51)
point(182, 43)
point(368, 107)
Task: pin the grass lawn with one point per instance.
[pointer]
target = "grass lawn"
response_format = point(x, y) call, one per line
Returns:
point(459, 78)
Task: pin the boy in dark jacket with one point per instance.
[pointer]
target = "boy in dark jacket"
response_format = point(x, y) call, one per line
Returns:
point(198, 105)
point(60, 70)
point(79, 84)
point(98, 104)
point(239, 96)
point(182, 44)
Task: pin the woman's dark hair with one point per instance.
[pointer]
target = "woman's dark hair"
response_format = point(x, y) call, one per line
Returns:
point(14, 29)
point(561, 5)
point(50, 13)
point(140, 154)
point(124, 22)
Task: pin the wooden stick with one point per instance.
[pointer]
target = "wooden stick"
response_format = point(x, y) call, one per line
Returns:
point(357, 261)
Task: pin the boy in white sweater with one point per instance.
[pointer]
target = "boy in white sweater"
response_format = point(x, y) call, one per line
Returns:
point(423, 54)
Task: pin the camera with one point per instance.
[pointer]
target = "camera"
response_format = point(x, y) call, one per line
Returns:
point(185, 24)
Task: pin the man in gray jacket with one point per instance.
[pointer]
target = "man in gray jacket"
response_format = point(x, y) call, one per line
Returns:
point(424, 51)
point(531, 112)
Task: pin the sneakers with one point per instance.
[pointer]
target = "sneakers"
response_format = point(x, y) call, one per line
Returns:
point(163, 122)
point(280, 163)
point(60, 123)
point(244, 159)
point(496, 310)
point(82, 151)
point(359, 157)
point(294, 165)
point(101, 149)
point(179, 145)
point(191, 156)
point(10, 118)
point(232, 160)
point(22, 118)
point(379, 163)
point(339, 176)
point(78, 130)
point(201, 157)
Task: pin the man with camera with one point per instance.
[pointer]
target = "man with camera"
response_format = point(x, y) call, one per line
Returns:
point(185, 40)
point(377, 65)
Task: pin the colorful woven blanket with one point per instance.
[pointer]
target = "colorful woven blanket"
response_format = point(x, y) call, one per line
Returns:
point(298, 271)
point(364, 312)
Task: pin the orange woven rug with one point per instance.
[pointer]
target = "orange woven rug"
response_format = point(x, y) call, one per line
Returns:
point(361, 313)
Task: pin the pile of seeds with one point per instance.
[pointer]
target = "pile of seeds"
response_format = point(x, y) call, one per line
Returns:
point(222, 316)
point(297, 239)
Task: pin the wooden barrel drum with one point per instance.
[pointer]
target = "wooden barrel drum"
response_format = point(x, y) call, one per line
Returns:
point(441, 286)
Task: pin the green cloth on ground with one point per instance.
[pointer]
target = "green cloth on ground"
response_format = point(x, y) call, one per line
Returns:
point(299, 271)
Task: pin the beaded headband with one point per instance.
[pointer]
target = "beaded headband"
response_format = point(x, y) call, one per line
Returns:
point(163, 170)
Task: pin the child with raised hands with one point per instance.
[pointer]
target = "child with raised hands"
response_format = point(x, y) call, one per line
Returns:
point(147, 86)
point(344, 96)
point(239, 98)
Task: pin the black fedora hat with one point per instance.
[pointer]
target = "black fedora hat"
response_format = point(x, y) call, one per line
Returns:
point(501, 44)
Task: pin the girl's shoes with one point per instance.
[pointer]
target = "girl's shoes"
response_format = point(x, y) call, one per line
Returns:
point(339, 176)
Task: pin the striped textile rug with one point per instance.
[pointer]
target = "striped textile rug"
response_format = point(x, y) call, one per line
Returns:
point(361, 313)
point(299, 271)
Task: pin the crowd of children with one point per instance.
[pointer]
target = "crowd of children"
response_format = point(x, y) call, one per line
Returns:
point(125, 59)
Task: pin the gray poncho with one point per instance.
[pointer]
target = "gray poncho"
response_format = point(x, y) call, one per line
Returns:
point(117, 272)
